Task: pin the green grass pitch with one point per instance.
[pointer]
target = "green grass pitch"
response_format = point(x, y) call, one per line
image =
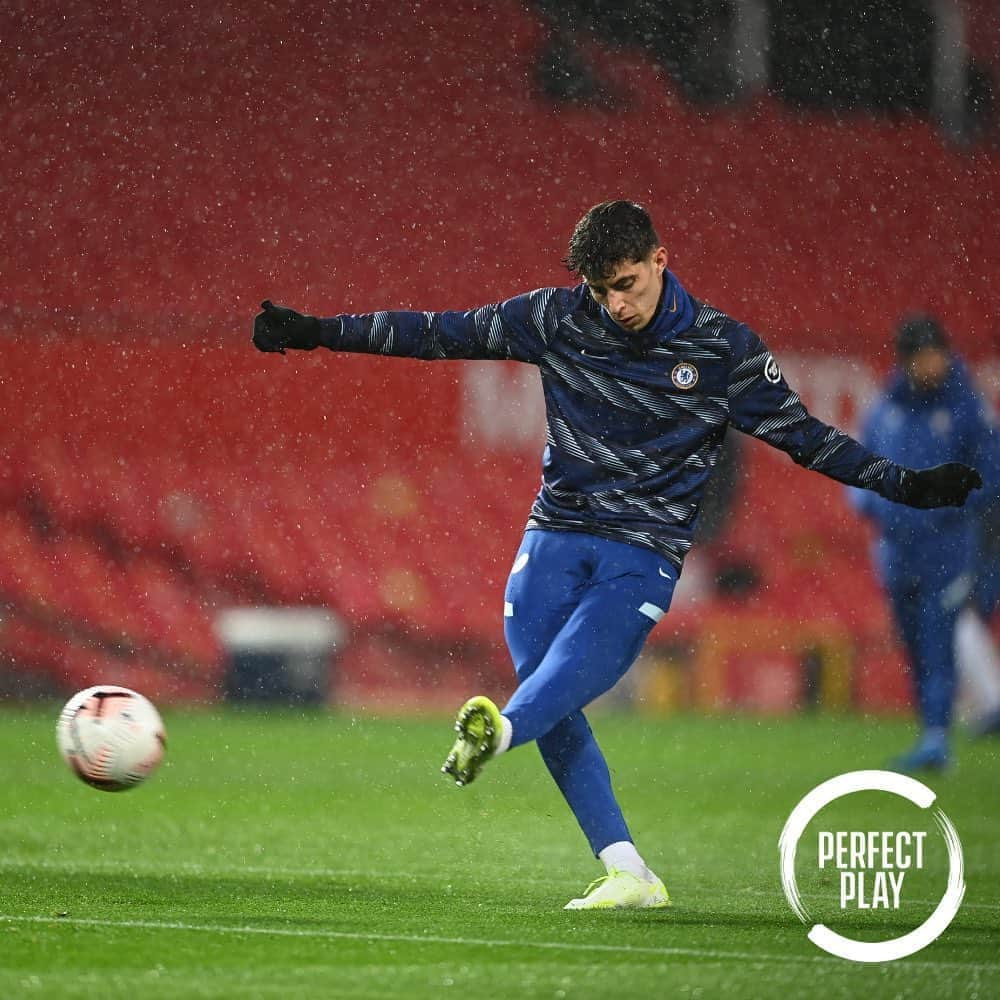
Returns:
point(283, 854)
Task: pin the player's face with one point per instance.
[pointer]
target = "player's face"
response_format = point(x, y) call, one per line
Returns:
point(928, 368)
point(632, 291)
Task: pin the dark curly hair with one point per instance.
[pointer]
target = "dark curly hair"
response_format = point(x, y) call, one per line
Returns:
point(610, 233)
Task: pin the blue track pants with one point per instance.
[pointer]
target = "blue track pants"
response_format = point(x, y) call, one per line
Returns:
point(577, 610)
point(926, 614)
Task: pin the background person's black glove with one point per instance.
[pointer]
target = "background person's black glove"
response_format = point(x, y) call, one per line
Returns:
point(947, 485)
point(278, 327)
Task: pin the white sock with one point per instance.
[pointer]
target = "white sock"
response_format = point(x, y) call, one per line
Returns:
point(623, 856)
point(506, 735)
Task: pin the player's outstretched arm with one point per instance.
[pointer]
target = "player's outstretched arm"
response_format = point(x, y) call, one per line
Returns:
point(762, 404)
point(514, 330)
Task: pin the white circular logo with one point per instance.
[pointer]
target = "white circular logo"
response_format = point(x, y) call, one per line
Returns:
point(684, 375)
point(771, 370)
point(875, 781)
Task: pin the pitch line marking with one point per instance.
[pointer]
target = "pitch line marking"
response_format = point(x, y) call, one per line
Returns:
point(299, 932)
point(193, 868)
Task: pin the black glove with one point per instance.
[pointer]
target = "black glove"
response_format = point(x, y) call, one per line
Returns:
point(276, 328)
point(947, 485)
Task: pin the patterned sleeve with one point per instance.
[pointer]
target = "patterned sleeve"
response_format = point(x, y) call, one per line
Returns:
point(762, 404)
point(515, 330)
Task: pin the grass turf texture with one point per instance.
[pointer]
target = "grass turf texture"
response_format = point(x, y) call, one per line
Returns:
point(283, 855)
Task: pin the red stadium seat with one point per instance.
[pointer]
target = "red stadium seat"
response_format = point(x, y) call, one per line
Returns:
point(158, 467)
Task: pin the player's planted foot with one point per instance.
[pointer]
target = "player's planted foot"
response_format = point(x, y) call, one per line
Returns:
point(620, 890)
point(478, 727)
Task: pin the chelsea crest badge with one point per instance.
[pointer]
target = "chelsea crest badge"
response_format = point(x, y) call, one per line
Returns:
point(684, 375)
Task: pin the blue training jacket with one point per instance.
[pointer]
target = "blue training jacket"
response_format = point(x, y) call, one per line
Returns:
point(951, 424)
point(635, 419)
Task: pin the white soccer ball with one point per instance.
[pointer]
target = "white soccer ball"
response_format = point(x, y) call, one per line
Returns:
point(112, 738)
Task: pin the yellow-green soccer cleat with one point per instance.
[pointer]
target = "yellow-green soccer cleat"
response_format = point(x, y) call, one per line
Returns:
point(619, 890)
point(478, 728)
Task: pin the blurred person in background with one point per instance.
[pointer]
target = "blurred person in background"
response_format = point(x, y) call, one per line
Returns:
point(641, 381)
point(927, 560)
point(978, 658)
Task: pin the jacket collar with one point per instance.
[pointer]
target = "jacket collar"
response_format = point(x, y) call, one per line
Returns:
point(675, 312)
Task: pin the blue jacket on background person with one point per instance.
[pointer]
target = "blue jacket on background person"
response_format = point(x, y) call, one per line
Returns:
point(949, 423)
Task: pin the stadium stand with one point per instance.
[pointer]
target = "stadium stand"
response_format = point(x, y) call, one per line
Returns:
point(155, 470)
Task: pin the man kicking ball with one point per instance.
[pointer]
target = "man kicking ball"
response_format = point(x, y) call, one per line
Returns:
point(641, 381)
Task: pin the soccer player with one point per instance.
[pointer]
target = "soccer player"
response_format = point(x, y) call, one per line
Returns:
point(641, 381)
point(929, 411)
